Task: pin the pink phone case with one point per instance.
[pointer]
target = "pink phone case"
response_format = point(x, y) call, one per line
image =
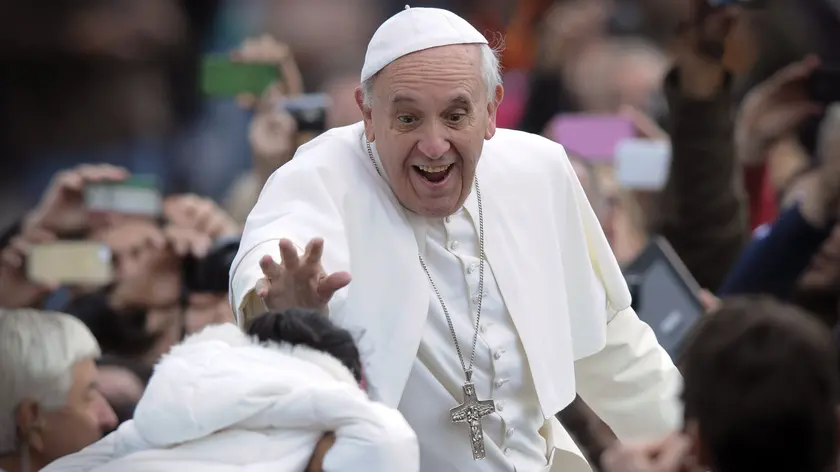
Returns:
point(591, 137)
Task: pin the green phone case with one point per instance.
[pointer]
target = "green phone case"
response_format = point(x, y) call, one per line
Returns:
point(220, 77)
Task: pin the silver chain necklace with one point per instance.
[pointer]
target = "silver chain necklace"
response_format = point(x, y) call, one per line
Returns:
point(471, 410)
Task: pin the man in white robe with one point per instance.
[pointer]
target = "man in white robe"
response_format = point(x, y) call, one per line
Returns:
point(403, 204)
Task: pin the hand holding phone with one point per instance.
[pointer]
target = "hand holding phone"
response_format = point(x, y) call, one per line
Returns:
point(62, 209)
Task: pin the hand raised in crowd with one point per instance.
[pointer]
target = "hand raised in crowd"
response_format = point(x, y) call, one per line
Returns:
point(821, 202)
point(199, 214)
point(186, 242)
point(267, 50)
point(569, 28)
point(773, 110)
point(298, 281)
point(669, 455)
point(16, 291)
point(702, 46)
point(62, 209)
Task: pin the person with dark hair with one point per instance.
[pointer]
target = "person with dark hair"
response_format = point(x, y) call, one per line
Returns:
point(309, 328)
point(285, 396)
point(761, 390)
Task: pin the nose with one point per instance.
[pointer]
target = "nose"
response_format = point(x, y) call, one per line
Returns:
point(434, 142)
point(105, 415)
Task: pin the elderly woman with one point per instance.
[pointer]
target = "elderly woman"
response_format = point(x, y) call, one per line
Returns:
point(272, 399)
point(49, 405)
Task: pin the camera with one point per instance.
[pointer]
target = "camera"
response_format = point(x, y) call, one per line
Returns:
point(309, 111)
point(210, 273)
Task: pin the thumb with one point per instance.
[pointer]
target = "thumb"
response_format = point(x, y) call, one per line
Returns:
point(332, 283)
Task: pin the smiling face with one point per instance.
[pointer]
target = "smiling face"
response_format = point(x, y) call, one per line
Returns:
point(429, 116)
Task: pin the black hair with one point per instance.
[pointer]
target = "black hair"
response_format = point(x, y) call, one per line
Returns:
point(761, 382)
point(312, 329)
point(121, 333)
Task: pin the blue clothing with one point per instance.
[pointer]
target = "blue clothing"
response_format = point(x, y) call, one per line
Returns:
point(775, 259)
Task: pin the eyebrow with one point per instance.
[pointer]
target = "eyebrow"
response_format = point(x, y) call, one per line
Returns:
point(456, 100)
point(461, 100)
point(398, 98)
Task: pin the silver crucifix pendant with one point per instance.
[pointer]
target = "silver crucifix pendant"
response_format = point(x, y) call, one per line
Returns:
point(471, 411)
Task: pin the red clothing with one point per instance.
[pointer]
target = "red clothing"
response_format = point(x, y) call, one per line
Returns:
point(762, 198)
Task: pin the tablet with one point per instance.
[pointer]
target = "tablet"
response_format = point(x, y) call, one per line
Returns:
point(665, 295)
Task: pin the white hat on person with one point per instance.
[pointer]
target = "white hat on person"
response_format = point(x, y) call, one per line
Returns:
point(413, 30)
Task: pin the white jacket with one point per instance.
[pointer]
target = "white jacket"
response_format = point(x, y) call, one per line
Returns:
point(221, 402)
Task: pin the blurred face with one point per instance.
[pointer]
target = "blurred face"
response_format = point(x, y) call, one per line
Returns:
point(80, 423)
point(429, 119)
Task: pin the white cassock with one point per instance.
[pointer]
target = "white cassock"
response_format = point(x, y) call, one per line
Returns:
point(556, 316)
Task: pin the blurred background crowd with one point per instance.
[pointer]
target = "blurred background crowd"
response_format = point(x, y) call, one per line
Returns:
point(116, 143)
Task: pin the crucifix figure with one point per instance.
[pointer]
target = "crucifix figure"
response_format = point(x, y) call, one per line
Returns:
point(471, 411)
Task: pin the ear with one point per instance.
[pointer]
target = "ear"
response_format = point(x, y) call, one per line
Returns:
point(367, 114)
point(492, 111)
point(30, 423)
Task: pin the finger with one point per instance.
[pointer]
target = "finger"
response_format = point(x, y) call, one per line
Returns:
point(200, 245)
point(102, 172)
point(645, 126)
point(39, 235)
point(12, 258)
point(672, 454)
point(262, 288)
point(269, 268)
point(332, 283)
point(289, 255)
point(314, 252)
point(793, 73)
point(70, 180)
point(246, 101)
point(792, 116)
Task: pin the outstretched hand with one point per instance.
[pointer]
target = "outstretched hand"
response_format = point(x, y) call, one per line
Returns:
point(298, 281)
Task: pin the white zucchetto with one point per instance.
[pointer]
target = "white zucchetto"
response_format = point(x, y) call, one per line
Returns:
point(416, 29)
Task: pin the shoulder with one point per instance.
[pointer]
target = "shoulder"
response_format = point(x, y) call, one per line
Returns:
point(520, 153)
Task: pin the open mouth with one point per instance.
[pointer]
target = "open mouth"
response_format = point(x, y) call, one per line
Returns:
point(434, 174)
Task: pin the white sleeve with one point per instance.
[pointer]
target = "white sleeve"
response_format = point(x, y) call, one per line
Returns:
point(383, 442)
point(299, 202)
point(632, 384)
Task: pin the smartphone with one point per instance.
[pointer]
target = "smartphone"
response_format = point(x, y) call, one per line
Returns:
point(591, 137)
point(309, 111)
point(74, 263)
point(665, 295)
point(223, 78)
point(824, 84)
point(642, 164)
point(138, 195)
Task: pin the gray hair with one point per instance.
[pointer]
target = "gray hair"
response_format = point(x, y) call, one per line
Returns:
point(38, 350)
point(491, 74)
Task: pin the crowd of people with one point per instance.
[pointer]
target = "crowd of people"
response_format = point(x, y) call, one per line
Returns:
point(270, 320)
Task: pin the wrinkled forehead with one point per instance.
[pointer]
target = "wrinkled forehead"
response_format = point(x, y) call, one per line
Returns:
point(450, 72)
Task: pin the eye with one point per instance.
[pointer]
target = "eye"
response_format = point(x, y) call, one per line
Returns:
point(406, 119)
point(457, 117)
